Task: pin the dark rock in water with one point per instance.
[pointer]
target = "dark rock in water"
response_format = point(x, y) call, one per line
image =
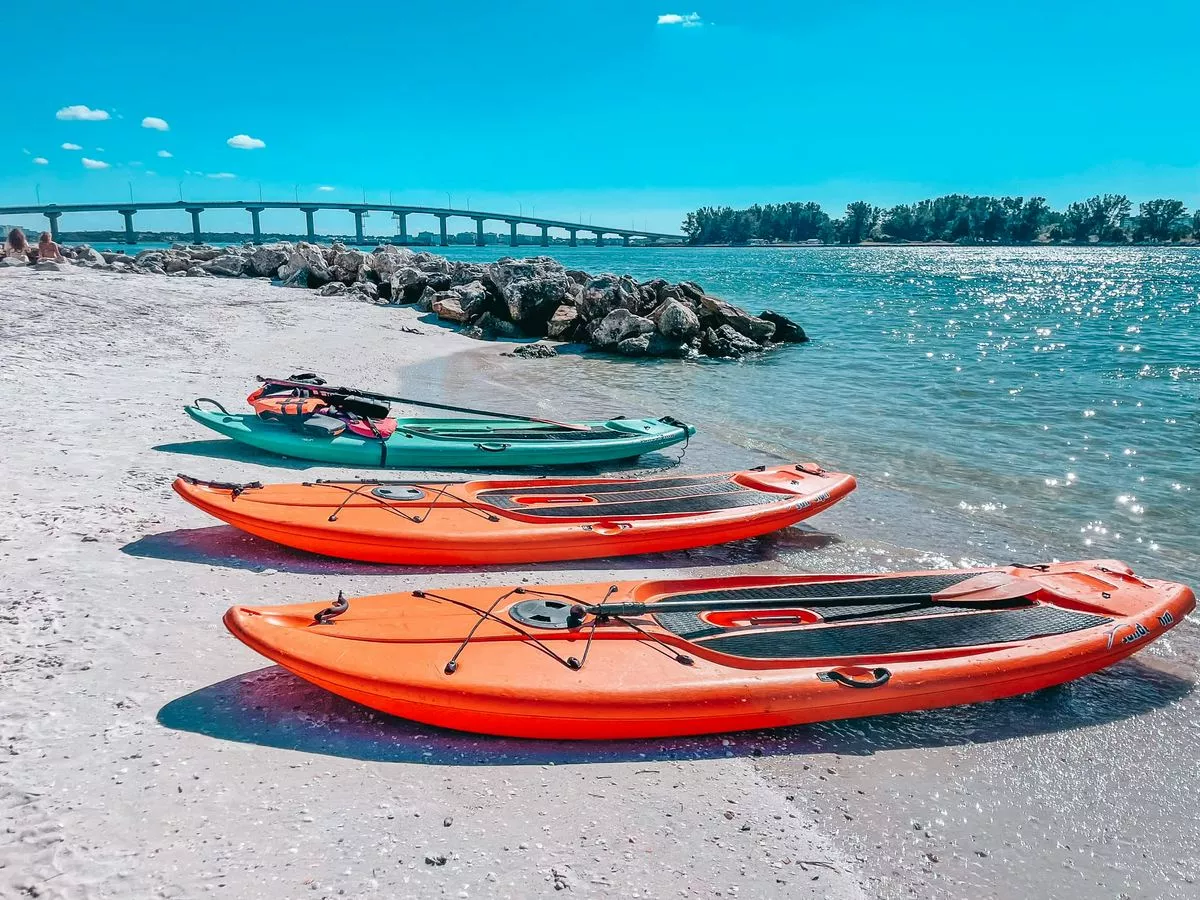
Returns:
point(676, 321)
point(561, 326)
point(691, 290)
point(617, 326)
point(228, 266)
point(725, 313)
point(661, 345)
point(639, 345)
point(727, 342)
point(447, 306)
point(266, 261)
point(333, 289)
point(533, 351)
point(786, 331)
point(497, 327)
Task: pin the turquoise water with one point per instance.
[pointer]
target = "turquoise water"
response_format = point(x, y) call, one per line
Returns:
point(1047, 393)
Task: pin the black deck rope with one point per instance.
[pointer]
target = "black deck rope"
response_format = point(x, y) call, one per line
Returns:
point(428, 506)
point(235, 487)
point(662, 646)
point(487, 614)
point(331, 612)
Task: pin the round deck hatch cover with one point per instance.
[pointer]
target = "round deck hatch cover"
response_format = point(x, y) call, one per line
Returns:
point(398, 492)
point(541, 613)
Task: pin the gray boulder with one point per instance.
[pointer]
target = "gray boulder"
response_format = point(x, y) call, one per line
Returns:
point(472, 297)
point(605, 293)
point(364, 290)
point(493, 326)
point(333, 289)
point(617, 326)
point(48, 265)
point(466, 272)
point(265, 261)
point(228, 266)
point(203, 253)
point(309, 260)
point(561, 326)
point(756, 329)
point(726, 342)
point(348, 264)
point(387, 259)
point(425, 301)
point(197, 272)
point(173, 264)
point(407, 284)
point(676, 321)
point(530, 288)
point(786, 330)
point(150, 258)
point(660, 345)
point(691, 290)
point(446, 305)
point(86, 256)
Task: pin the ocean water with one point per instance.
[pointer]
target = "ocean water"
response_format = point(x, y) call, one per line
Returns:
point(1051, 395)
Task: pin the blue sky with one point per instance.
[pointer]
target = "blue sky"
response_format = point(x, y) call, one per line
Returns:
point(596, 109)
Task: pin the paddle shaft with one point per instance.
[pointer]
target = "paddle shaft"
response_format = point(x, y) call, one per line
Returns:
point(390, 398)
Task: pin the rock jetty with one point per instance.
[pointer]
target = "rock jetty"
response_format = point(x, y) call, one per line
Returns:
point(506, 299)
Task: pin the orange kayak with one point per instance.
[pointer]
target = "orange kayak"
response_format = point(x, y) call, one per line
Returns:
point(679, 657)
point(519, 521)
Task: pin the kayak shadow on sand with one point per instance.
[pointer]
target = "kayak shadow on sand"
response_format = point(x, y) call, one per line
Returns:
point(224, 545)
point(271, 707)
point(236, 452)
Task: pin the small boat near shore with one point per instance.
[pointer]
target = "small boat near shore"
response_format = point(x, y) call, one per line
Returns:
point(303, 418)
point(498, 521)
point(640, 659)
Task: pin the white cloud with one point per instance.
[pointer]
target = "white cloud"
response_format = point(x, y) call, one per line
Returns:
point(691, 20)
point(151, 172)
point(94, 163)
point(156, 123)
point(190, 172)
point(25, 150)
point(69, 146)
point(220, 175)
point(326, 187)
point(81, 113)
point(245, 142)
point(41, 161)
point(165, 154)
point(136, 164)
point(99, 149)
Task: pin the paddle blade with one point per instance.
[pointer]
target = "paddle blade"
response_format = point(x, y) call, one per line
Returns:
point(988, 587)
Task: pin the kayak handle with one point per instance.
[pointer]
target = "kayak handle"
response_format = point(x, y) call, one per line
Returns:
point(493, 448)
point(879, 677)
point(200, 400)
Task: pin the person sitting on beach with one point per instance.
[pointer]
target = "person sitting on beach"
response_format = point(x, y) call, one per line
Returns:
point(16, 248)
point(48, 250)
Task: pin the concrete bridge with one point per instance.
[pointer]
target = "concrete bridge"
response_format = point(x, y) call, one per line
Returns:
point(54, 212)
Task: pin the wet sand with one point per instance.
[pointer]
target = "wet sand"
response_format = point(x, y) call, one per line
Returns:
point(150, 754)
point(146, 753)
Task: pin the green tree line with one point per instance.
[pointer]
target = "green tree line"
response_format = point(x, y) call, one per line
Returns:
point(955, 218)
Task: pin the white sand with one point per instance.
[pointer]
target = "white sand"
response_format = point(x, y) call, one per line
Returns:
point(118, 779)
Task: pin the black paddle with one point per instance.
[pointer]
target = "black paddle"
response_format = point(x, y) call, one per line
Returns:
point(985, 588)
point(341, 393)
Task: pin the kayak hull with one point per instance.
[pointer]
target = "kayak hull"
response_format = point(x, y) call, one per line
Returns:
point(492, 522)
point(433, 658)
point(453, 443)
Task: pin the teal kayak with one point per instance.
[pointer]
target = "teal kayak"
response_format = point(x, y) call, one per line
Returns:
point(456, 443)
